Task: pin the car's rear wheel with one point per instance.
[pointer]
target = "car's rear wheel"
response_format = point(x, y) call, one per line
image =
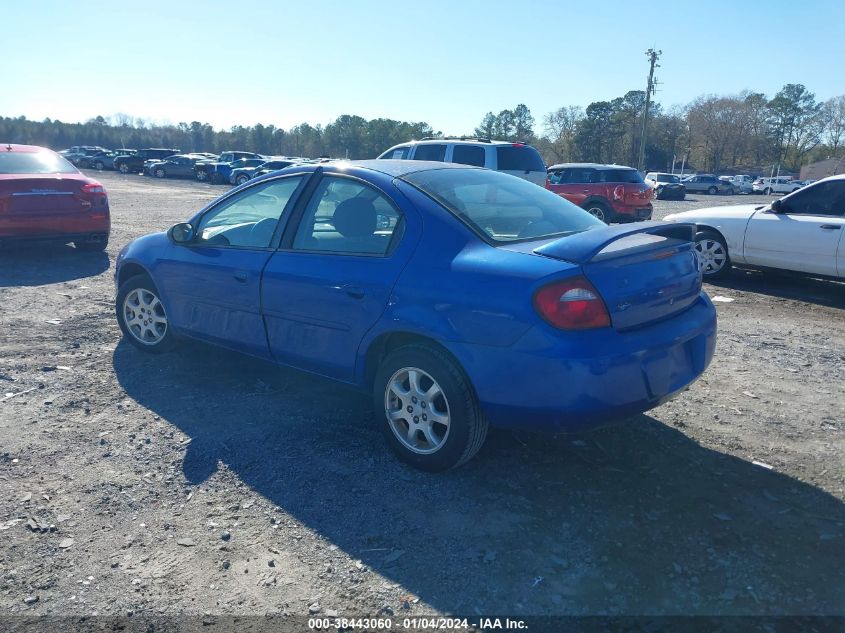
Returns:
point(768, 191)
point(712, 191)
point(598, 210)
point(99, 166)
point(141, 315)
point(713, 257)
point(427, 408)
point(202, 176)
point(159, 173)
point(124, 168)
point(241, 179)
point(729, 192)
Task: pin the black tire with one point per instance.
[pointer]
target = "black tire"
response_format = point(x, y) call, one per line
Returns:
point(703, 241)
point(712, 191)
point(202, 176)
point(599, 210)
point(768, 191)
point(92, 247)
point(729, 192)
point(134, 283)
point(124, 168)
point(159, 173)
point(241, 179)
point(83, 163)
point(99, 165)
point(467, 427)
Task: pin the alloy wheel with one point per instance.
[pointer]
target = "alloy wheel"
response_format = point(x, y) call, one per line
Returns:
point(144, 316)
point(597, 212)
point(417, 410)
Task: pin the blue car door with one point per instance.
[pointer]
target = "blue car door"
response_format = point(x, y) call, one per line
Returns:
point(212, 284)
point(332, 279)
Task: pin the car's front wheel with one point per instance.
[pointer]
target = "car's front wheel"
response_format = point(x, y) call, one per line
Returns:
point(141, 315)
point(99, 165)
point(159, 173)
point(124, 168)
point(713, 255)
point(712, 191)
point(427, 408)
point(241, 179)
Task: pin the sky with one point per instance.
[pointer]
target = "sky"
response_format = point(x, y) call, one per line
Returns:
point(443, 62)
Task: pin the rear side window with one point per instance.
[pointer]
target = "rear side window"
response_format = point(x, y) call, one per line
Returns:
point(620, 175)
point(430, 152)
point(468, 155)
point(34, 163)
point(518, 158)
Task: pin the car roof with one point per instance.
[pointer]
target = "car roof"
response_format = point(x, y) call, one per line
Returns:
point(592, 165)
point(461, 141)
point(399, 168)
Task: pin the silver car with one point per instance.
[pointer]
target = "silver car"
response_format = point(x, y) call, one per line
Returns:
point(707, 183)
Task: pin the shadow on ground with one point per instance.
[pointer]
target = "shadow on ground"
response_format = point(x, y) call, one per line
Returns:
point(633, 519)
point(785, 285)
point(39, 264)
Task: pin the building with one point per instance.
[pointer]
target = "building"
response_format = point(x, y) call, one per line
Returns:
point(823, 168)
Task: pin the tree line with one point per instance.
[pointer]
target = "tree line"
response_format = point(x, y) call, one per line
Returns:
point(747, 132)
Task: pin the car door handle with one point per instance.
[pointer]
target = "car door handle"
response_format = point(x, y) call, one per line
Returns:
point(586, 191)
point(241, 276)
point(831, 227)
point(356, 292)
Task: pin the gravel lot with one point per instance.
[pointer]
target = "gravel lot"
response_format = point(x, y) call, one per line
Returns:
point(205, 482)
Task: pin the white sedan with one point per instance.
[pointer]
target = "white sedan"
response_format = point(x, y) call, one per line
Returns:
point(801, 232)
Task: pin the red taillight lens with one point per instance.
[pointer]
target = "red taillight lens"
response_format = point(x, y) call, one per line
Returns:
point(619, 192)
point(93, 187)
point(573, 304)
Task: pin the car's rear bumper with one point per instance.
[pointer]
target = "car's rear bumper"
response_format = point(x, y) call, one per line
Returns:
point(634, 212)
point(70, 227)
point(556, 382)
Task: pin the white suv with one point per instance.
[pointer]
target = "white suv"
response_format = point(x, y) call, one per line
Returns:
point(775, 185)
point(516, 159)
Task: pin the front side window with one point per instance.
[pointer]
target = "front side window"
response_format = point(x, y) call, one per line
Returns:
point(823, 198)
point(430, 152)
point(34, 163)
point(468, 155)
point(347, 217)
point(501, 208)
point(249, 219)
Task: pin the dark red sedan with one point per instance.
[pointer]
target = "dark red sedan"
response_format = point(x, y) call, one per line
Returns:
point(44, 197)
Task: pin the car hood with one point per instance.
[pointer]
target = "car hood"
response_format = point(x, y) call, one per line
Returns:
point(736, 212)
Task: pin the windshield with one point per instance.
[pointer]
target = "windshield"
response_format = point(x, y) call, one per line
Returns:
point(34, 163)
point(500, 207)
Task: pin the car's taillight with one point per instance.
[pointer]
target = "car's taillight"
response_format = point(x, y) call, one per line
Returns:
point(92, 187)
point(619, 192)
point(573, 304)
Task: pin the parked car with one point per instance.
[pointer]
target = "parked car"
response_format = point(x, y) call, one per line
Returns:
point(44, 197)
point(666, 186)
point(612, 193)
point(103, 160)
point(741, 183)
point(79, 152)
point(800, 232)
point(458, 297)
point(781, 184)
point(516, 159)
point(178, 166)
point(218, 169)
point(134, 163)
point(241, 175)
point(709, 184)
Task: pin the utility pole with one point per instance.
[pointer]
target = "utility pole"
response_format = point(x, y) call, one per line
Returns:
point(653, 56)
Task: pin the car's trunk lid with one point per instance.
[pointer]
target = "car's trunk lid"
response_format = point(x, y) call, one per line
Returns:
point(28, 195)
point(644, 272)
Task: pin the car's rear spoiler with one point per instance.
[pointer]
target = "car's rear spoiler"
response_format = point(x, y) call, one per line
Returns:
point(583, 247)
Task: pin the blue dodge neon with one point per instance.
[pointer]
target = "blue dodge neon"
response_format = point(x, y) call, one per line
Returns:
point(460, 297)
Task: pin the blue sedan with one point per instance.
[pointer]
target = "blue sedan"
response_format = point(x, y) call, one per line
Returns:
point(461, 298)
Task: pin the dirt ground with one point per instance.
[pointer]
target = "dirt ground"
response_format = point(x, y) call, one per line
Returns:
point(205, 482)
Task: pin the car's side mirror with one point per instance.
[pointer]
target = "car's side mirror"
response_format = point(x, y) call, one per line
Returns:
point(181, 233)
point(777, 206)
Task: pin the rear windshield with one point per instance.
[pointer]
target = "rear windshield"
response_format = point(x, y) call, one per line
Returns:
point(518, 158)
point(34, 163)
point(501, 208)
point(666, 178)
